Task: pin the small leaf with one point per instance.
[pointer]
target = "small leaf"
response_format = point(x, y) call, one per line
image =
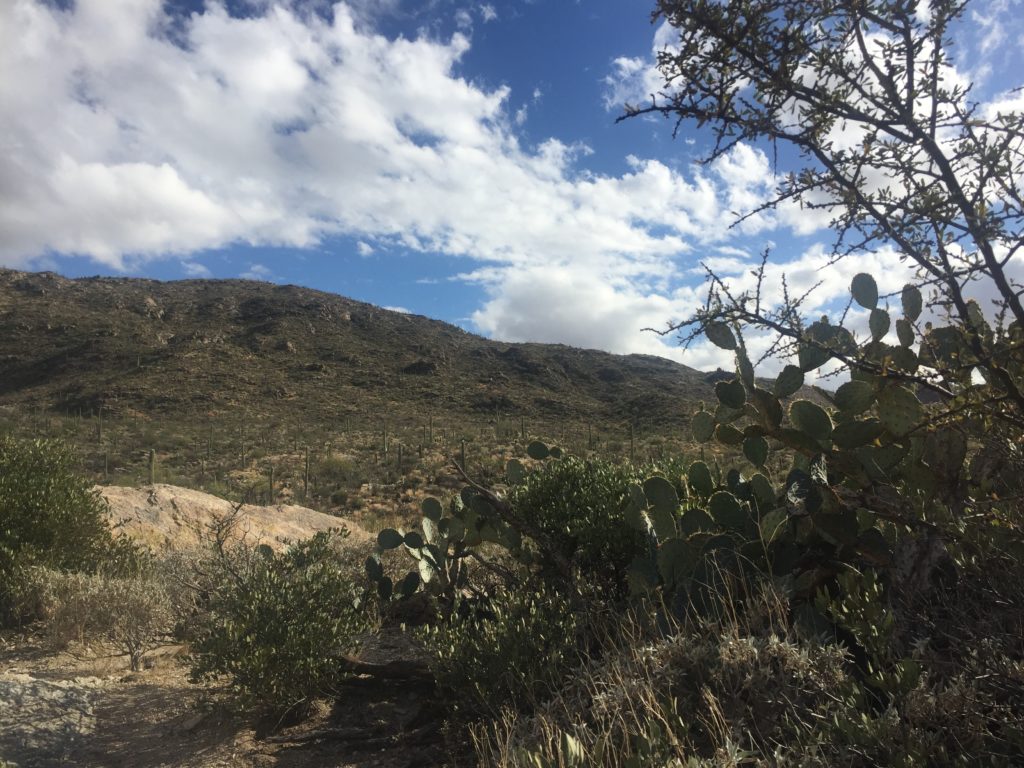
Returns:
point(703, 426)
point(811, 419)
point(389, 538)
point(720, 335)
point(413, 540)
point(912, 302)
point(789, 381)
point(864, 290)
point(384, 588)
point(731, 393)
point(879, 323)
point(537, 450)
point(756, 450)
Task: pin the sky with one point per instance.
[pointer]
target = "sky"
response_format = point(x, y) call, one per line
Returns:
point(459, 160)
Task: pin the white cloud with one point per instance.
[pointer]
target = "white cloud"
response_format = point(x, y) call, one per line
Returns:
point(400, 310)
point(635, 79)
point(121, 145)
point(487, 12)
point(195, 269)
point(285, 128)
point(257, 272)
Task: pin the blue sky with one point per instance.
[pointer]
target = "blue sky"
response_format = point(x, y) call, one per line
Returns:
point(459, 160)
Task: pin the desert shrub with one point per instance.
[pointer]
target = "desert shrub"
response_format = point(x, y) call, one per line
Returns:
point(50, 517)
point(514, 650)
point(274, 623)
point(577, 504)
point(131, 612)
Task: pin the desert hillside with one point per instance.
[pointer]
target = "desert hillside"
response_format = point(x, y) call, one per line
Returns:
point(210, 348)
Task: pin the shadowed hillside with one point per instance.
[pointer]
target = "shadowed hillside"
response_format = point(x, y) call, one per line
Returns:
point(210, 347)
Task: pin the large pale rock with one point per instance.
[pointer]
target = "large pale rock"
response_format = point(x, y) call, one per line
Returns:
point(169, 518)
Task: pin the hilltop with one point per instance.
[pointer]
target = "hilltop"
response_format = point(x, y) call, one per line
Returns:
point(214, 347)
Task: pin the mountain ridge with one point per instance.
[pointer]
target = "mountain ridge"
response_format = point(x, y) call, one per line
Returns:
point(148, 346)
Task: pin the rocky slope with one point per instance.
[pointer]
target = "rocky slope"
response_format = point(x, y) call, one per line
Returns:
point(211, 347)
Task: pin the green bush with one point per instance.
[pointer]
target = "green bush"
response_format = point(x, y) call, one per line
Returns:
point(514, 651)
point(275, 622)
point(579, 505)
point(50, 517)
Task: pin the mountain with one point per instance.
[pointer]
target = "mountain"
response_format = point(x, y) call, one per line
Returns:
point(213, 347)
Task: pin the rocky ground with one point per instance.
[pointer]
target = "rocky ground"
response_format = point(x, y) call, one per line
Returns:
point(63, 709)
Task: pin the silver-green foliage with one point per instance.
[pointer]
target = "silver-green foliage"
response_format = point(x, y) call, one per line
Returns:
point(275, 623)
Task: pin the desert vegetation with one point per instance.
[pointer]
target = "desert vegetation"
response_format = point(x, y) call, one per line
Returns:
point(813, 577)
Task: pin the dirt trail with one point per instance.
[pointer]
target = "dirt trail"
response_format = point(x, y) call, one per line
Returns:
point(57, 709)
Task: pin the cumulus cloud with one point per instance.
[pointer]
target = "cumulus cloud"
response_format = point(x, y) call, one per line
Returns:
point(131, 134)
point(128, 133)
point(635, 79)
point(257, 272)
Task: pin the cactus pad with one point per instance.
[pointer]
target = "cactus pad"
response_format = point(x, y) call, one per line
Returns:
point(432, 509)
point(699, 477)
point(899, 410)
point(727, 510)
point(731, 393)
point(855, 397)
point(789, 381)
point(879, 323)
point(864, 290)
point(756, 450)
point(811, 419)
point(703, 426)
point(912, 302)
point(389, 538)
point(720, 335)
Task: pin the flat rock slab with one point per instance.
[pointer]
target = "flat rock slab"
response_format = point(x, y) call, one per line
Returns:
point(170, 518)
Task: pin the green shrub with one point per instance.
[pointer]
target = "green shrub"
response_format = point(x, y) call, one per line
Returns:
point(275, 622)
point(50, 517)
point(514, 651)
point(579, 504)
